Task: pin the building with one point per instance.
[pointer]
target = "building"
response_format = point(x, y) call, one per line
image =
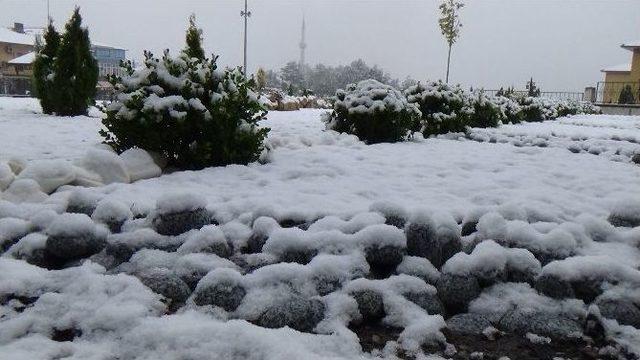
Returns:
point(17, 53)
point(618, 77)
point(15, 76)
point(109, 58)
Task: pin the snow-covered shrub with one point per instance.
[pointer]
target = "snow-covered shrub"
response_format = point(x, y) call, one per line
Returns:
point(511, 111)
point(486, 113)
point(374, 112)
point(444, 108)
point(187, 110)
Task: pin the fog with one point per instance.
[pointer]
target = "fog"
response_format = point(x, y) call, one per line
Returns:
point(561, 44)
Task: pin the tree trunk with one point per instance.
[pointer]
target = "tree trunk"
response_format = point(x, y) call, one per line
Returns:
point(448, 64)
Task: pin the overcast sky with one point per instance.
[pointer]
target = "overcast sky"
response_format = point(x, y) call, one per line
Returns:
point(563, 44)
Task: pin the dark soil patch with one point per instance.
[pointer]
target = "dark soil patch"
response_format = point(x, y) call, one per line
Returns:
point(519, 347)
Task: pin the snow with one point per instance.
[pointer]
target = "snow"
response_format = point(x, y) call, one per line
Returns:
point(542, 199)
point(25, 59)
point(140, 164)
point(626, 67)
point(12, 37)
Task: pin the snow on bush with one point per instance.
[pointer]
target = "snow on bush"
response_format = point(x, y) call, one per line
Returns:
point(373, 111)
point(444, 108)
point(187, 110)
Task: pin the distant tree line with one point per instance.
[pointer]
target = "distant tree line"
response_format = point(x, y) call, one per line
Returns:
point(323, 80)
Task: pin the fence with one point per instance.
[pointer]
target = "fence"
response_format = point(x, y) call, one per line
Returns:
point(554, 95)
point(618, 92)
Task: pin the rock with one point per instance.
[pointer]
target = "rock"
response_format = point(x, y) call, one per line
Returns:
point(140, 164)
point(587, 290)
point(108, 165)
point(554, 287)
point(624, 311)
point(420, 268)
point(225, 294)
point(49, 174)
point(541, 323)
point(456, 292)
point(424, 240)
point(120, 251)
point(255, 243)
point(370, 305)
point(421, 241)
point(396, 221)
point(326, 284)
point(177, 223)
point(469, 227)
point(427, 301)
point(636, 159)
point(24, 191)
point(86, 178)
point(301, 256)
point(626, 214)
point(469, 324)
point(73, 237)
point(385, 259)
point(17, 165)
point(112, 213)
point(165, 283)
point(82, 201)
point(6, 176)
point(295, 312)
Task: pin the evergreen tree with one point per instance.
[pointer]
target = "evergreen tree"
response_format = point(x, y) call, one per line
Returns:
point(626, 96)
point(43, 68)
point(450, 25)
point(75, 70)
point(261, 79)
point(194, 40)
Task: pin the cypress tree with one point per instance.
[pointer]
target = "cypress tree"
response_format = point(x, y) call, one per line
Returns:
point(43, 68)
point(76, 70)
point(194, 40)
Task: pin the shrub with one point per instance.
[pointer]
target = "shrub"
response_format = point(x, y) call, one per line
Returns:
point(444, 108)
point(510, 110)
point(187, 110)
point(485, 112)
point(374, 112)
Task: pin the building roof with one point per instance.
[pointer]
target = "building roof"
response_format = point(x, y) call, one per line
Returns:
point(25, 59)
point(107, 46)
point(12, 37)
point(631, 45)
point(618, 68)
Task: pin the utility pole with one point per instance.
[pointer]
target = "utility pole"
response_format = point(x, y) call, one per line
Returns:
point(246, 14)
point(48, 14)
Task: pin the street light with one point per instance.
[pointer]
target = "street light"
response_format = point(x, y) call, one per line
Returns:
point(245, 14)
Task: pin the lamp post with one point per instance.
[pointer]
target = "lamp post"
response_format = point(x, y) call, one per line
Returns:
point(245, 14)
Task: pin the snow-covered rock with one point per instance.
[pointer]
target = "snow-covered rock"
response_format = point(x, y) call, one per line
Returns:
point(24, 191)
point(178, 213)
point(295, 312)
point(165, 283)
point(140, 164)
point(112, 213)
point(456, 292)
point(74, 236)
point(86, 178)
point(223, 288)
point(6, 176)
point(49, 174)
point(108, 165)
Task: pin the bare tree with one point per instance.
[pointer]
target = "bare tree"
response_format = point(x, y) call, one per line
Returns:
point(450, 25)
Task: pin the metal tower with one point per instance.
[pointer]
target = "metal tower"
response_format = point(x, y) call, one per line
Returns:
point(303, 43)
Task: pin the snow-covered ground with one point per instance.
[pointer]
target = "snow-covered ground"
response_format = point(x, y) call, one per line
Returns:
point(522, 186)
